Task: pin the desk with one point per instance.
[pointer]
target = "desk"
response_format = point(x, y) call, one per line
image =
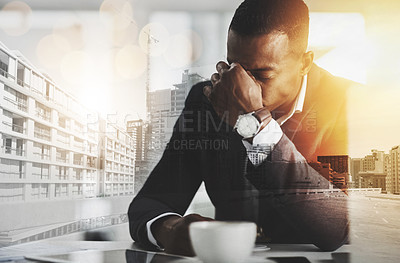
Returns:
point(294, 253)
point(382, 251)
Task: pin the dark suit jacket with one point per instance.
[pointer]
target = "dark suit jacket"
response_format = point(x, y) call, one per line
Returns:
point(282, 195)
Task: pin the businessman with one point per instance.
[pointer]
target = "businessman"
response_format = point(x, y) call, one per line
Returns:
point(276, 112)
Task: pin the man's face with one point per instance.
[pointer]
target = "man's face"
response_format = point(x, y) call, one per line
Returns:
point(270, 60)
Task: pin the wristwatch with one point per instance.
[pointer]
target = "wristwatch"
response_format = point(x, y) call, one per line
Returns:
point(249, 124)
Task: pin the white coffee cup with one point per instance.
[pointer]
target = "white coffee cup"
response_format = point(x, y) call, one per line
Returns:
point(221, 242)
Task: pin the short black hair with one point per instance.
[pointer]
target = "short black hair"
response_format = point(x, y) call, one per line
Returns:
point(257, 17)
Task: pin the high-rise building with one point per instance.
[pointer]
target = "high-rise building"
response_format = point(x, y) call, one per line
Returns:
point(355, 167)
point(339, 163)
point(140, 133)
point(47, 149)
point(393, 171)
point(181, 90)
point(55, 151)
point(164, 107)
point(372, 173)
point(117, 155)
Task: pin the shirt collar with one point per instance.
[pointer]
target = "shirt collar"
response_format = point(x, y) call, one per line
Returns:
point(298, 104)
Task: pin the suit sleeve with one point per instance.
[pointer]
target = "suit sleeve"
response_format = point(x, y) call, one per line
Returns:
point(174, 181)
point(303, 197)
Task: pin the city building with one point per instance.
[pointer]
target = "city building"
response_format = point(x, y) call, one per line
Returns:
point(355, 167)
point(323, 169)
point(47, 149)
point(139, 130)
point(56, 157)
point(117, 155)
point(181, 90)
point(393, 171)
point(164, 108)
point(373, 172)
point(340, 165)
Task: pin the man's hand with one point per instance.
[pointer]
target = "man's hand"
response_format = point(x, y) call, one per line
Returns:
point(172, 232)
point(234, 92)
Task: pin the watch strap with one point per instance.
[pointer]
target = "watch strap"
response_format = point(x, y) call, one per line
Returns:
point(262, 114)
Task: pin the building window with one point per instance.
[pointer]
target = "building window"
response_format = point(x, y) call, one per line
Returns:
point(40, 170)
point(62, 156)
point(40, 191)
point(77, 174)
point(77, 189)
point(42, 111)
point(89, 189)
point(62, 172)
point(61, 190)
point(18, 100)
point(62, 137)
point(41, 151)
point(11, 169)
point(13, 146)
point(11, 192)
point(78, 159)
point(63, 121)
point(37, 84)
point(42, 132)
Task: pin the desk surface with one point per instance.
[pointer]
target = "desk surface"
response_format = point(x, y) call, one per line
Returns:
point(294, 253)
point(285, 253)
point(375, 232)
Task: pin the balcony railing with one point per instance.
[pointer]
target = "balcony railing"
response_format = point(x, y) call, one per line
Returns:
point(78, 162)
point(79, 146)
point(92, 136)
point(40, 175)
point(13, 151)
point(42, 135)
point(77, 177)
point(23, 84)
point(6, 74)
point(78, 129)
point(43, 115)
point(42, 156)
point(62, 159)
point(14, 127)
point(19, 105)
point(62, 139)
point(91, 164)
point(11, 175)
point(37, 91)
point(62, 176)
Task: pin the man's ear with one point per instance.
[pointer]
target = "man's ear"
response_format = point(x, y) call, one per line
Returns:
point(307, 61)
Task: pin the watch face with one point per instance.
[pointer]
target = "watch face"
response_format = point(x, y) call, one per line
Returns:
point(247, 126)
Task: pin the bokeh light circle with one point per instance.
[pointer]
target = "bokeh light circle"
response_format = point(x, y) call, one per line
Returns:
point(17, 18)
point(130, 62)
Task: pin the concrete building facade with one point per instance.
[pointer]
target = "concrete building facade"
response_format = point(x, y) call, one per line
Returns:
point(393, 171)
point(340, 165)
point(55, 153)
point(164, 108)
point(47, 149)
point(373, 170)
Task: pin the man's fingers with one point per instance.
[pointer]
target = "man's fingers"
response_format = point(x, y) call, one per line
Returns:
point(221, 67)
point(207, 91)
point(215, 77)
point(251, 75)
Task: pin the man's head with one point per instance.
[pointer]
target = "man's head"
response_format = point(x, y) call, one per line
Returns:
point(269, 39)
